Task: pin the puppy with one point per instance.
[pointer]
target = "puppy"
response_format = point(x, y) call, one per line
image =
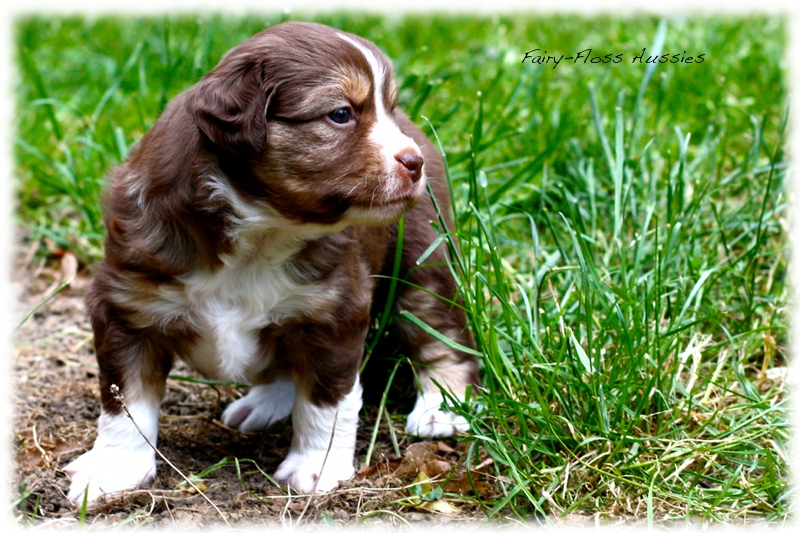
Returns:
point(248, 234)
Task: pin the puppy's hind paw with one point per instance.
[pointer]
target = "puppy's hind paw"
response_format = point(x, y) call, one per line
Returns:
point(428, 420)
point(263, 406)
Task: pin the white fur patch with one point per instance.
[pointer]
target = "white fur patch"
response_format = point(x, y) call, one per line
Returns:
point(121, 459)
point(263, 406)
point(316, 428)
point(428, 420)
point(231, 305)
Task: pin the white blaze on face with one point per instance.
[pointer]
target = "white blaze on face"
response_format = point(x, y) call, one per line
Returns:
point(385, 133)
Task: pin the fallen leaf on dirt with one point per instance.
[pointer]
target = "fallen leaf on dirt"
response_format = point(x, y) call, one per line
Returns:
point(66, 273)
point(30, 458)
point(69, 266)
point(423, 457)
point(199, 486)
point(439, 506)
point(461, 485)
point(437, 468)
point(444, 448)
point(422, 485)
point(425, 496)
point(381, 467)
point(41, 453)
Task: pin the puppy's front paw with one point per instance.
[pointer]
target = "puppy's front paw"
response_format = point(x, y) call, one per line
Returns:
point(301, 470)
point(263, 406)
point(105, 470)
point(428, 420)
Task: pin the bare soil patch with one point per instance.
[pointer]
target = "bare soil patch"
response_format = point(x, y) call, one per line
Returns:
point(56, 407)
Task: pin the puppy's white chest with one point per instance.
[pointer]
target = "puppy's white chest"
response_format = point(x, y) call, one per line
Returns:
point(232, 305)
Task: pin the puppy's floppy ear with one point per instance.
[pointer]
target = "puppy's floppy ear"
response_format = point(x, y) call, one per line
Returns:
point(229, 106)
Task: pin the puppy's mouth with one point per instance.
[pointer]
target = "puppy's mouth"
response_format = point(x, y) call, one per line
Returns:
point(383, 209)
point(400, 200)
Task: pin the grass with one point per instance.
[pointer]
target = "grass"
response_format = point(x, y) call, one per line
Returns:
point(622, 232)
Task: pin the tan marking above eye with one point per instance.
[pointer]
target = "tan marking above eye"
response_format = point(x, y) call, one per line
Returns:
point(356, 86)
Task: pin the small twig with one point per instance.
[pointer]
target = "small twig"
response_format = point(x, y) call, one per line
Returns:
point(169, 511)
point(285, 509)
point(358, 505)
point(121, 400)
point(38, 446)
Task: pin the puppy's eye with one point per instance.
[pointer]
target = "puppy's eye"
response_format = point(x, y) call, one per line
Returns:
point(340, 116)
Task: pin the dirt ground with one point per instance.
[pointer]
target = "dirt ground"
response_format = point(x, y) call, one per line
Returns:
point(56, 408)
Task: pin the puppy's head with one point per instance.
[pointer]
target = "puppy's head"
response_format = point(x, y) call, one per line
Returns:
point(308, 111)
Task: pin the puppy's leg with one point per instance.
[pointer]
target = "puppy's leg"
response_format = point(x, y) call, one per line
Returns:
point(262, 407)
point(310, 465)
point(433, 360)
point(324, 361)
point(137, 363)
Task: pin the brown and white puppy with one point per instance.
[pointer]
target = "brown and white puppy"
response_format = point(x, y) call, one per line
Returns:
point(247, 235)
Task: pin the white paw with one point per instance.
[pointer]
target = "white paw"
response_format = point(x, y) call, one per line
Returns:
point(106, 470)
point(301, 471)
point(121, 458)
point(428, 420)
point(263, 406)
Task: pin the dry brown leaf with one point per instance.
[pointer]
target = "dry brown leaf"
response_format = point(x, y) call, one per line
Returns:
point(435, 468)
point(444, 448)
point(461, 485)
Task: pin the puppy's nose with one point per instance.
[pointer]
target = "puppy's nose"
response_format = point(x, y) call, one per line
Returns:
point(410, 165)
